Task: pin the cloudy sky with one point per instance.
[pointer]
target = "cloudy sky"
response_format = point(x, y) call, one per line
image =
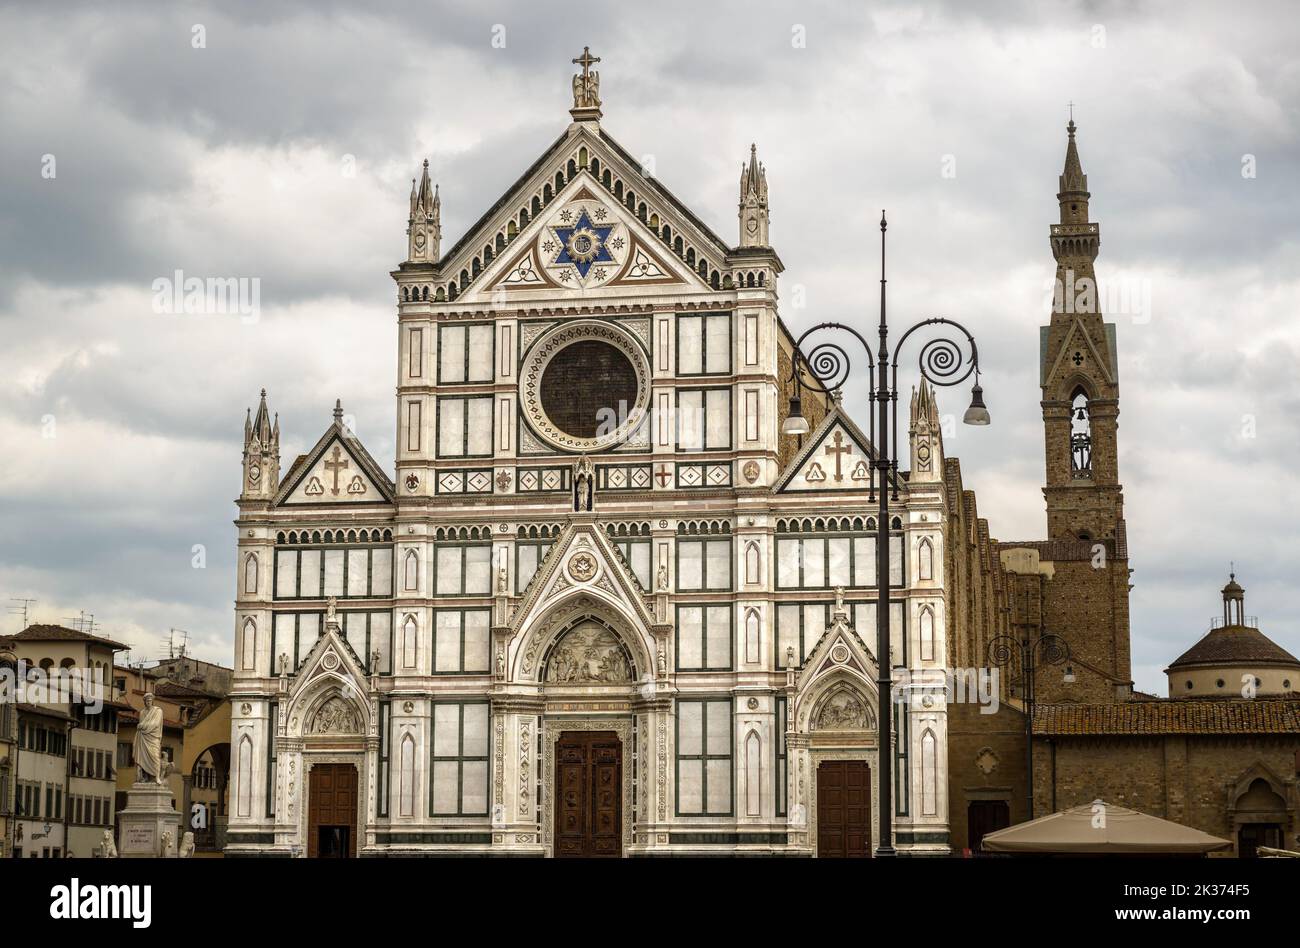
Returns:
point(219, 140)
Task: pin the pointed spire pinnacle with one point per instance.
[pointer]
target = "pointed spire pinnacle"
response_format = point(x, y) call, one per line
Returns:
point(424, 228)
point(338, 411)
point(1073, 180)
point(753, 177)
point(262, 420)
point(422, 198)
point(753, 202)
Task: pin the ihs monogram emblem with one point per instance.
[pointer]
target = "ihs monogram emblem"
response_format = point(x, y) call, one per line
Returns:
point(583, 244)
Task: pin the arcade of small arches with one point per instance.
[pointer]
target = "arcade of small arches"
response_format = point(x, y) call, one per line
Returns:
point(295, 537)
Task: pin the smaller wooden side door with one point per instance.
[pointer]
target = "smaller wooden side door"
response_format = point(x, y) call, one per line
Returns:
point(843, 809)
point(332, 808)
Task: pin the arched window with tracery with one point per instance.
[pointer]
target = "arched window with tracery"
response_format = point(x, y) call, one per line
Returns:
point(1080, 434)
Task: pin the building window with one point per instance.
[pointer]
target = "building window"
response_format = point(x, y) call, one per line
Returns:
point(463, 569)
point(703, 565)
point(528, 557)
point(459, 759)
point(465, 353)
point(800, 625)
point(704, 757)
point(704, 638)
point(342, 572)
point(704, 344)
point(465, 427)
point(703, 419)
point(835, 559)
point(461, 641)
point(636, 553)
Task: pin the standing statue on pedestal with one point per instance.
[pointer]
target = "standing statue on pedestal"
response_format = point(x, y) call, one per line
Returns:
point(148, 743)
point(584, 478)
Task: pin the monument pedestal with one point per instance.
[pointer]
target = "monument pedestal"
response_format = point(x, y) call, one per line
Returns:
point(148, 815)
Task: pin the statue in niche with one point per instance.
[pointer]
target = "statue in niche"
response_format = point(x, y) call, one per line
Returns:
point(588, 654)
point(844, 711)
point(334, 717)
point(584, 483)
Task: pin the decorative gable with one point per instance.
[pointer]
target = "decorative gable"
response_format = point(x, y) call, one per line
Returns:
point(505, 249)
point(584, 241)
point(1077, 351)
point(837, 457)
point(582, 574)
point(338, 470)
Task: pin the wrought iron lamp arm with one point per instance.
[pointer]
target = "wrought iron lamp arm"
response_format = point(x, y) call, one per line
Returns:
point(939, 362)
point(830, 365)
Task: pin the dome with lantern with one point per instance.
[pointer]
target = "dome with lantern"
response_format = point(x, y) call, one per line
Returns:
point(1234, 659)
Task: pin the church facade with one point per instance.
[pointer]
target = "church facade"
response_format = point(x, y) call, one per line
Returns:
point(602, 606)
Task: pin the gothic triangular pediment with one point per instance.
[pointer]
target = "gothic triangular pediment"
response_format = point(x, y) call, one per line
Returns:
point(837, 456)
point(338, 470)
point(627, 254)
point(332, 670)
point(1076, 337)
point(839, 648)
point(525, 227)
point(582, 560)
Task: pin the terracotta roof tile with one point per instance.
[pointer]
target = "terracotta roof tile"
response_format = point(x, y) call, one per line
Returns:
point(59, 633)
point(1171, 716)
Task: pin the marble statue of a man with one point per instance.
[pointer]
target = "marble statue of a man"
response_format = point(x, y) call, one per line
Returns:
point(148, 743)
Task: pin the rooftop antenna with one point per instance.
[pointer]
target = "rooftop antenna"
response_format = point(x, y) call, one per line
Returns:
point(82, 623)
point(23, 606)
point(174, 650)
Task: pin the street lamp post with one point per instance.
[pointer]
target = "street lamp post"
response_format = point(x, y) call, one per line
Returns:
point(942, 361)
point(1050, 649)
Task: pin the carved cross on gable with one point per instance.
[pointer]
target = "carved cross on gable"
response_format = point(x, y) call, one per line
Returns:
point(335, 466)
point(837, 451)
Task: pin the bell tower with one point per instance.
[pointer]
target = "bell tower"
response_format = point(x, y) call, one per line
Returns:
point(1079, 376)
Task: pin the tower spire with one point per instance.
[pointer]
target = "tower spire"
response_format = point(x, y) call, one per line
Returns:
point(1073, 180)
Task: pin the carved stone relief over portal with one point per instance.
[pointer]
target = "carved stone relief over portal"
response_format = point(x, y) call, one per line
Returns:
point(335, 717)
point(588, 653)
point(844, 711)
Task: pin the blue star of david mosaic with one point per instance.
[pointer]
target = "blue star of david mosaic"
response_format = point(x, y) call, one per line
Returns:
point(583, 244)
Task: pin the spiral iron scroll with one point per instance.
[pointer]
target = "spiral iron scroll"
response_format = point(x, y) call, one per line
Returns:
point(829, 364)
point(1053, 650)
point(1002, 650)
point(942, 362)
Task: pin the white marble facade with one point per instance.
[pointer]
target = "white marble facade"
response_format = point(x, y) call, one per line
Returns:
point(522, 577)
